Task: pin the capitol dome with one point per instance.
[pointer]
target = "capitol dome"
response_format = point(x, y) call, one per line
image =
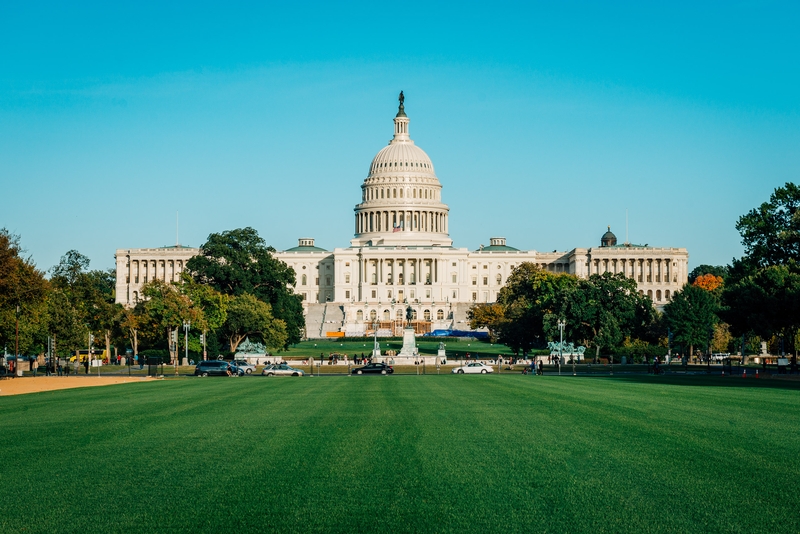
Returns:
point(401, 196)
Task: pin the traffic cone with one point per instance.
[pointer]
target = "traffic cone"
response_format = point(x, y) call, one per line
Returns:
point(744, 373)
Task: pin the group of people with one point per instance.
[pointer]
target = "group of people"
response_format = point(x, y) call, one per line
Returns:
point(535, 368)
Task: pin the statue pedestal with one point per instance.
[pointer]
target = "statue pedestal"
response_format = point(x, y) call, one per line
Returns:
point(441, 356)
point(409, 349)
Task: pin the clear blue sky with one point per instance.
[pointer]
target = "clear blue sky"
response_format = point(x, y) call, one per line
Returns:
point(545, 121)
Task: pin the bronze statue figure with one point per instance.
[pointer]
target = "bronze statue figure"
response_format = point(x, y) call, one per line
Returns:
point(402, 98)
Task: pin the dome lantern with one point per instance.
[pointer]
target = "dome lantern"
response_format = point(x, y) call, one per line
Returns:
point(608, 239)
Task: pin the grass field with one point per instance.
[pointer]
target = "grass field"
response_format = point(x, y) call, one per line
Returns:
point(425, 345)
point(505, 453)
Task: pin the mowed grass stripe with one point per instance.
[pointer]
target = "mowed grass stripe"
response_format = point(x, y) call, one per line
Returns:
point(404, 454)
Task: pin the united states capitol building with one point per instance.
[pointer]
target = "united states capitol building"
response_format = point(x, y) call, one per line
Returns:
point(401, 255)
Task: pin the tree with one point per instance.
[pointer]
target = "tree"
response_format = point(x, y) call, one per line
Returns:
point(65, 324)
point(762, 287)
point(530, 294)
point(23, 290)
point(709, 282)
point(692, 315)
point(239, 262)
point(248, 316)
point(604, 309)
point(717, 270)
point(771, 232)
point(490, 316)
point(766, 302)
point(165, 309)
point(90, 294)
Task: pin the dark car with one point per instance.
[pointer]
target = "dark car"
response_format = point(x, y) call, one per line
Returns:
point(374, 368)
point(217, 368)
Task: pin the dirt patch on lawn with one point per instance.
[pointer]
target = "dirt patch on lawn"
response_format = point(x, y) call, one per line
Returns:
point(20, 386)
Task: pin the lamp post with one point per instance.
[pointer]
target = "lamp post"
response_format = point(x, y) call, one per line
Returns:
point(561, 325)
point(186, 326)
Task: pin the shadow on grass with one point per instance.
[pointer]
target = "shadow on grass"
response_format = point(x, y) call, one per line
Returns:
point(714, 381)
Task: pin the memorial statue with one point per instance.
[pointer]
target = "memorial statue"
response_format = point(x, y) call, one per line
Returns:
point(402, 98)
point(409, 311)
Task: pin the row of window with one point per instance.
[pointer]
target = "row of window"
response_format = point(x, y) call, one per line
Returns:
point(376, 193)
point(498, 279)
point(399, 315)
point(402, 164)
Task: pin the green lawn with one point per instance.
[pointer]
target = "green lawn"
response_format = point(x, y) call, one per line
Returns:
point(506, 453)
point(426, 346)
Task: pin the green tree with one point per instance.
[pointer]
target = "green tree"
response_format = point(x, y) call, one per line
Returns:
point(761, 291)
point(164, 310)
point(603, 310)
point(90, 293)
point(692, 315)
point(23, 293)
point(771, 232)
point(490, 316)
point(239, 262)
point(248, 316)
point(766, 302)
point(529, 296)
point(65, 324)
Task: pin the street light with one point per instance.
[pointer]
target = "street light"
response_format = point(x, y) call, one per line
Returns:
point(561, 325)
point(186, 326)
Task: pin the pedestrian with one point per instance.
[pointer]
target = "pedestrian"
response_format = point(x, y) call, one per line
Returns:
point(58, 367)
point(86, 365)
point(34, 366)
point(66, 370)
point(48, 366)
point(541, 368)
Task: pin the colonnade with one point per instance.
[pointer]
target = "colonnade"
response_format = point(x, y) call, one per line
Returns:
point(398, 271)
point(643, 270)
point(406, 221)
point(142, 271)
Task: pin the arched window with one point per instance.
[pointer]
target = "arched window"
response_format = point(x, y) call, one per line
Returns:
point(386, 315)
point(401, 193)
point(399, 314)
point(373, 315)
point(499, 279)
point(381, 193)
point(650, 293)
point(415, 193)
point(666, 294)
point(658, 295)
point(413, 315)
point(394, 193)
point(439, 315)
point(304, 280)
point(400, 279)
point(426, 315)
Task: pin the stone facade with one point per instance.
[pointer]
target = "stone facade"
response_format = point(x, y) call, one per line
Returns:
point(401, 255)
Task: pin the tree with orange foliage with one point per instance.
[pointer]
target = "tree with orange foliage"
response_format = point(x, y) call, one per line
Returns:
point(709, 282)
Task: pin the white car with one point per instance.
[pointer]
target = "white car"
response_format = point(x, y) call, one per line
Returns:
point(248, 368)
point(473, 368)
point(281, 370)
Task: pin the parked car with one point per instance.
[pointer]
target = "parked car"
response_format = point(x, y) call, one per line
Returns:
point(473, 368)
point(248, 368)
point(217, 368)
point(374, 368)
point(281, 369)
